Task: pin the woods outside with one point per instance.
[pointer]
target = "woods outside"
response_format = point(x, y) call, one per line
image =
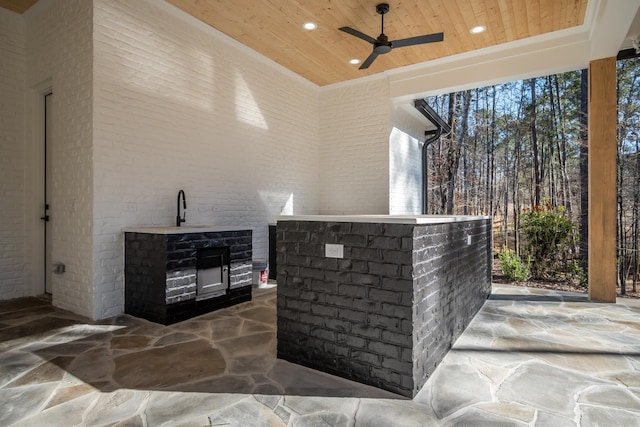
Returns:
point(518, 151)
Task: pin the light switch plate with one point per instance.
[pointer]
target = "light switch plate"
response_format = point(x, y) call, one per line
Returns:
point(333, 251)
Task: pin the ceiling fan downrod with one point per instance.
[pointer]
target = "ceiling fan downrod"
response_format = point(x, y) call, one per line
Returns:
point(382, 8)
point(382, 44)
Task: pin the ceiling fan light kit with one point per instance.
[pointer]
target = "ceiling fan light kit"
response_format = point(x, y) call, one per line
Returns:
point(382, 45)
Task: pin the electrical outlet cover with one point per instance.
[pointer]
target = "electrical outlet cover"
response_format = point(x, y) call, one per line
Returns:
point(333, 251)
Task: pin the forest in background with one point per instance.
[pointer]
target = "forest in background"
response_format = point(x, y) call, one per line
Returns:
point(518, 151)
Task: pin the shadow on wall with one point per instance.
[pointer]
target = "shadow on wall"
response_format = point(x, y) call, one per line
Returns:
point(225, 122)
point(271, 199)
point(226, 127)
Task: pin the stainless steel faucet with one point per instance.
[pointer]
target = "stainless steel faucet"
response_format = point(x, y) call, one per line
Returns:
point(181, 219)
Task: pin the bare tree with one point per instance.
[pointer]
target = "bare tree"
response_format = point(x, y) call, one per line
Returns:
point(584, 170)
point(456, 146)
point(538, 166)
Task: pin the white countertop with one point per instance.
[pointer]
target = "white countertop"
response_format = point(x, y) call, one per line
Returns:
point(385, 219)
point(185, 229)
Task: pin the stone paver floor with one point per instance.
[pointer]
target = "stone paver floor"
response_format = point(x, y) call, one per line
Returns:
point(530, 358)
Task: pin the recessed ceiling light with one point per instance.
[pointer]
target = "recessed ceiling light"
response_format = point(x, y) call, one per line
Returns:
point(310, 26)
point(354, 61)
point(477, 30)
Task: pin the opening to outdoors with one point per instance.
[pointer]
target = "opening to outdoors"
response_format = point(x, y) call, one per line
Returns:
point(518, 151)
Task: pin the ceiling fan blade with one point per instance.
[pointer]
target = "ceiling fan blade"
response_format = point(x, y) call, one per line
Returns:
point(358, 34)
point(411, 41)
point(369, 60)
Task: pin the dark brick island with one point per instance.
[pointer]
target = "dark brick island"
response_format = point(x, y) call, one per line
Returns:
point(379, 299)
point(175, 273)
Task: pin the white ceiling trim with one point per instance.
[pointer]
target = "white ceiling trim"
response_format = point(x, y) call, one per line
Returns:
point(605, 28)
point(536, 56)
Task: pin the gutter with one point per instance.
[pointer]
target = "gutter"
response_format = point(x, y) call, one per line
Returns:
point(431, 136)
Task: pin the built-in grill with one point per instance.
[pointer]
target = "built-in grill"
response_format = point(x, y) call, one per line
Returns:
point(213, 272)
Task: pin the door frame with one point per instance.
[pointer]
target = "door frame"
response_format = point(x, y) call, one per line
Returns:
point(34, 189)
point(46, 200)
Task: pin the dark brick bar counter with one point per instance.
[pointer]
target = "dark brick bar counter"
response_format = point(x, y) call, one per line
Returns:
point(379, 299)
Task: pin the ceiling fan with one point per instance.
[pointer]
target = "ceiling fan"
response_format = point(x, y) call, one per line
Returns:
point(382, 44)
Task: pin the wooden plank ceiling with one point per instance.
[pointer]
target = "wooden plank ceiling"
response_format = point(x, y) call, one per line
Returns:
point(274, 28)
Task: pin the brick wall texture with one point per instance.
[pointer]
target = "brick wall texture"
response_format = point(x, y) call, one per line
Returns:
point(405, 164)
point(146, 101)
point(354, 148)
point(12, 156)
point(452, 279)
point(60, 51)
point(388, 312)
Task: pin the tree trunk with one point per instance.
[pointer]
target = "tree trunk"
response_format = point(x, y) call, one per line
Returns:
point(620, 228)
point(518, 141)
point(636, 218)
point(584, 171)
point(620, 232)
point(551, 133)
point(492, 157)
point(562, 153)
point(475, 196)
point(628, 73)
point(537, 167)
point(465, 185)
point(455, 150)
point(446, 174)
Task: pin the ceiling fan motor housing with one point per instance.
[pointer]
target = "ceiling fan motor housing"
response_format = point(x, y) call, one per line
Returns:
point(382, 48)
point(382, 45)
point(382, 8)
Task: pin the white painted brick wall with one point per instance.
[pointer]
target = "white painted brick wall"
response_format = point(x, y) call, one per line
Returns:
point(147, 101)
point(180, 106)
point(59, 48)
point(354, 150)
point(12, 155)
point(405, 163)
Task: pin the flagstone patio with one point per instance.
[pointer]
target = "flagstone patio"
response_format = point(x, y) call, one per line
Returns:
point(530, 358)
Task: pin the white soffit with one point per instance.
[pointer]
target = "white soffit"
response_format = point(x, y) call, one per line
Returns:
point(633, 33)
point(610, 27)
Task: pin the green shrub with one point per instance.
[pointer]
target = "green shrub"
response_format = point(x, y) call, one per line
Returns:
point(577, 272)
point(512, 266)
point(548, 236)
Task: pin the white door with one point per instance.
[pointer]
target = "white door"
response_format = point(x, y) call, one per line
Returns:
point(46, 203)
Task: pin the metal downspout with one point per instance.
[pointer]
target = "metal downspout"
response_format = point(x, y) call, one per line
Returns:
point(435, 135)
